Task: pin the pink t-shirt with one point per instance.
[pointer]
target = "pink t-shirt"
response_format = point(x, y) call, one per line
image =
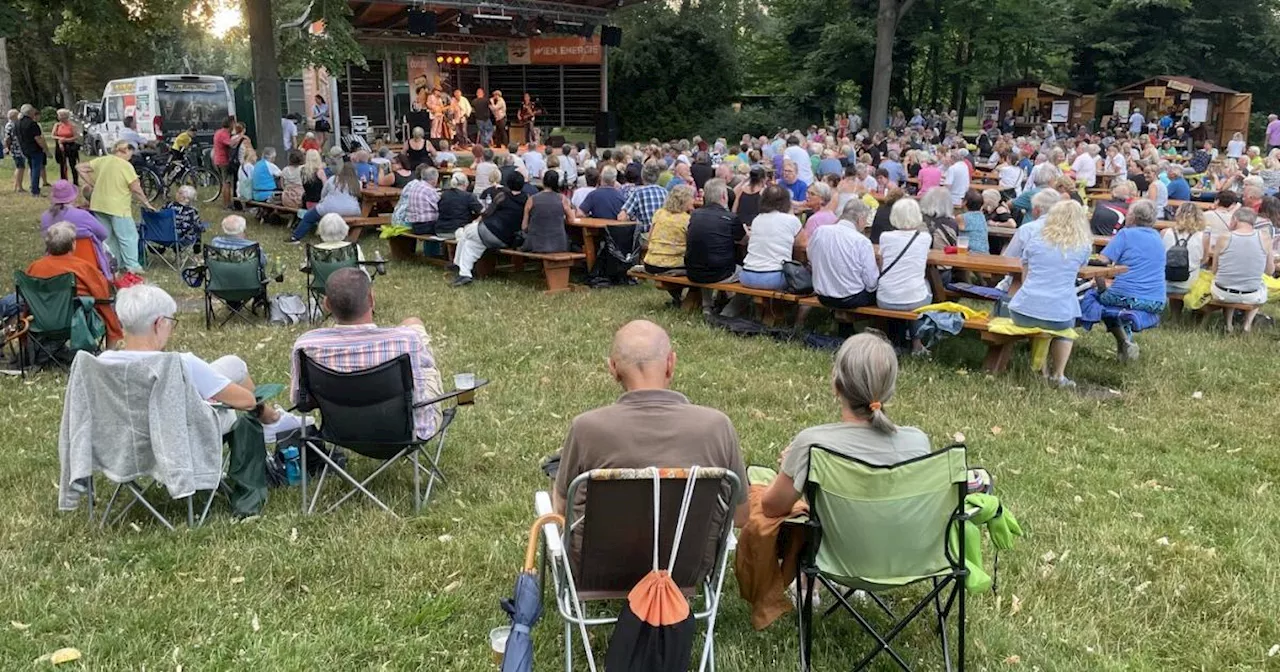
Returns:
point(819, 218)
point(1273, 133)
point(221, 147)
point(930, 177)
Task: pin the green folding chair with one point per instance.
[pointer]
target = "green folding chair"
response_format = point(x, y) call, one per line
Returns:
point(321, 263)
point(237, 279)
point(879, 529)
point(56, 312)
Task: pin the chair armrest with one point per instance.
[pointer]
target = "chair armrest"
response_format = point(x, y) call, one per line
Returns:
point(450, 395)
point(551, 531)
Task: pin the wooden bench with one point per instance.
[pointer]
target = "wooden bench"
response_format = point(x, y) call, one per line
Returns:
point(555, 265)
point(1176, 305)
point(358, 225)
point(266, 209)
point(773, 304)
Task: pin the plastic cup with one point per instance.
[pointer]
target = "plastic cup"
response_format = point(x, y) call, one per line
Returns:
point(465, 381)
point(962, 244)
point(498, 643)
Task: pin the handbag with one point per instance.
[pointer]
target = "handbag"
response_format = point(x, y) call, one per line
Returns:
point(799, 278)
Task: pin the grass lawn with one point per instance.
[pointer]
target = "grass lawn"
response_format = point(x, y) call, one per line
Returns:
point(1152, 518)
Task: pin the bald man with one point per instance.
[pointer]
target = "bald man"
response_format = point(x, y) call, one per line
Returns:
point(650, 425)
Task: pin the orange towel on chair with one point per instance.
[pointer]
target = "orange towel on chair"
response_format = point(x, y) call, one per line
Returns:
point(763, 568)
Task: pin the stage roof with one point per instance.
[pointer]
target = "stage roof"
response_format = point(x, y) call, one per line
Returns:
point(389, 19)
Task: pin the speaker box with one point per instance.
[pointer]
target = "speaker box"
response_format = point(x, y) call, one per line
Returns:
point(556, 141)
point(606, 130)
point(422, 23)
point(610, 36)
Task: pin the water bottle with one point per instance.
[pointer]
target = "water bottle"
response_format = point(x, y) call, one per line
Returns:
point(292, 464)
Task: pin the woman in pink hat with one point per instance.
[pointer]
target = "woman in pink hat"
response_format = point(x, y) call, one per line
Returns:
point(90, 233)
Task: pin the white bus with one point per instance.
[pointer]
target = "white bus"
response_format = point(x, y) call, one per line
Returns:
point(162, 107)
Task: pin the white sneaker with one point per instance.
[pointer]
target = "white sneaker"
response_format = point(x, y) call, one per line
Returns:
point(287, 422)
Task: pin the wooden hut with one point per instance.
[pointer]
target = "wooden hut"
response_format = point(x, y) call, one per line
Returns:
point(1219, 111)
point(1034, 103)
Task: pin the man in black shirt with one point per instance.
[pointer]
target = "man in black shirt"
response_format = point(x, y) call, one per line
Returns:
point(1108, 216)
point(31, 140)
point(711, 244)
point(701, 169)
point(484, 121)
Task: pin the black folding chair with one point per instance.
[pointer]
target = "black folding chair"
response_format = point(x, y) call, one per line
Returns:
point(370, 412)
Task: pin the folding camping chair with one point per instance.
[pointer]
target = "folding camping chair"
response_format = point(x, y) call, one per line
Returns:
point(236, 277)
point(52, 305)
point(611, 545)
point(160, 235)
point(881, 528)
point(321, 263)
point(369, 412)
point(138, 472)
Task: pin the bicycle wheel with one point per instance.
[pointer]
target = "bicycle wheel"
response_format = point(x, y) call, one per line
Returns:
point(151, 184)
point(208, 184)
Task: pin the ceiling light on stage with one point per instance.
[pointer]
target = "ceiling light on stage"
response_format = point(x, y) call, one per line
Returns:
point(439, 59)
point(466, 60)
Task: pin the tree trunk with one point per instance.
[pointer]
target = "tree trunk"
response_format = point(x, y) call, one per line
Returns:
point(64, 79)
point(6, 80)
point(886, 27)
point(266, 76)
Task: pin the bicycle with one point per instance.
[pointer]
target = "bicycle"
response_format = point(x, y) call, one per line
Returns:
point(159, 176)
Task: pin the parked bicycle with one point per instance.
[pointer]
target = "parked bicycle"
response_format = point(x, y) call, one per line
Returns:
point(160, 172)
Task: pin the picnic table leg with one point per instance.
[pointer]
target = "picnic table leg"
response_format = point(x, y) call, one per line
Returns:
point(402, 247)
point(999, 352)
point(366, 207)
point(486, 264)
point(939, 287)
point(589, 247)
point(557, 274)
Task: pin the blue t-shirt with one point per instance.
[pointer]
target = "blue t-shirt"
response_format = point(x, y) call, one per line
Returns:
point(975, 227)
point(264, 184)
point(1048, 290)
point(1179, 190)
point(798, 189)
point(897, 174)
point(1142, 250)
point(830, 166)
point(367, 173)
point(604, 202)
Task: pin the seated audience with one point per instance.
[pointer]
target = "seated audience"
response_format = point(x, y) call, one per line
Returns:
point(771, 237)
point(265, 176)
point(1137, 246)
point(592, 177)
point(59, 242)
point(497, 228)
point(939, 217)
point(186, 218)
point(483, 166)
point(864, 379)
point(422, 201)
point(844, 266)
point(1240, 259)
point(975, 221)
point(91, 234)
point(1188, 231)
point(457, 206)
point(333, 231)
point(819, 202)
point(711, 242)
point(232, 238)
point(667, 239)
point(341, 195)
point(1052, 255)
point(645, 199)
point(904, 255)
point(605, 201)
point(545, 215)
point(313, 178)
point(399, 175)
point(291, 179)
point(650, 425)
point(796, 187)
point(244, 176)
point(1178, 188)
point(1109, 215)
point(356, 343)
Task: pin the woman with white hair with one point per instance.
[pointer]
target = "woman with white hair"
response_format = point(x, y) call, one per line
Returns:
point(864, 378)
point(821, 206)
point(1051, 258)
point(233, 238)
point(1139, 247)
point(904, 255)
point(149, 317)
point(930, 174)
point(457, 207)
point(266, 176)
point(939, 216)
point(67, 146)
point(186, 218)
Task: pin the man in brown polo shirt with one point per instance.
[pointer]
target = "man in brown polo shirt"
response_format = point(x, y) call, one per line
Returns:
point(650, 425)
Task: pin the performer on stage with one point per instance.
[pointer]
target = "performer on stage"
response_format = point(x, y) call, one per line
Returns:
point(436, 106)
point(529, 111)
point(463, 107)
point(498, 107)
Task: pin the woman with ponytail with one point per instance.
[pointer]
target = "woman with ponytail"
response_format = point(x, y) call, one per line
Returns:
point(863, 379)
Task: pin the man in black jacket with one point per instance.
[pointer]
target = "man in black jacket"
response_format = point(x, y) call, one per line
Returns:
point(711, 247)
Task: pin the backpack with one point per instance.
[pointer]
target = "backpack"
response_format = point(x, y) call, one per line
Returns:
point(1177, 265)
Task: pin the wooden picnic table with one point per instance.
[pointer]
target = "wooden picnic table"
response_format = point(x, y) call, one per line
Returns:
point(591, 227)
point(373, 197)
point(1203, 205)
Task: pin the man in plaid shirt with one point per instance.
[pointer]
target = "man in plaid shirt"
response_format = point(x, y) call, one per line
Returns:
point(645, 200)
point(356, 343)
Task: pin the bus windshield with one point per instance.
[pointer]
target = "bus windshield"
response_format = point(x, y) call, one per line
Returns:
point(192, 102)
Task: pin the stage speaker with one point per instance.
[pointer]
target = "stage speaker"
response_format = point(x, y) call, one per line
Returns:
point(606, 130)
point(422, 23)
point(556, 141)
point(610, 36)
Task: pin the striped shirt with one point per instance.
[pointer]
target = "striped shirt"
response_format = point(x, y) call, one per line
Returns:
point(642, 202)
point(355, 347)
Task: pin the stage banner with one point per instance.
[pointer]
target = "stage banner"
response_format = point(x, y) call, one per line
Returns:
point(553, 51)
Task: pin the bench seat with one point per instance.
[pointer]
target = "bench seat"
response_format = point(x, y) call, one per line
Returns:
point(555, 265)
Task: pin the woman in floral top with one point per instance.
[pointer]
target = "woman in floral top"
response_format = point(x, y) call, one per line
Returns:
point(185, 216)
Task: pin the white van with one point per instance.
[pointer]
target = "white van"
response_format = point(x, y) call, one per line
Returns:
point(162, 107)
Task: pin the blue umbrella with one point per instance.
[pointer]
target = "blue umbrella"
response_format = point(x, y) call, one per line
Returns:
point(525, 605)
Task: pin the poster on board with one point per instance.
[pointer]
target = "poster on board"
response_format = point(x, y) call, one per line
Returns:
point(1061, 112)
point(991, 110)
point(423, 75)
point(1199, 110)
point(1120, 109)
